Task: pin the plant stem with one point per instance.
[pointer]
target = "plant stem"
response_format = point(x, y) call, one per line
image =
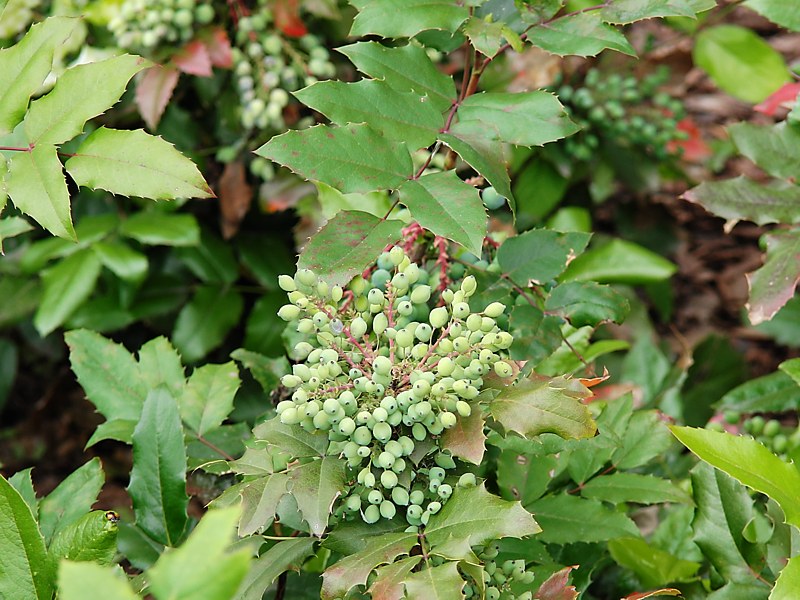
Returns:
point(214, 447)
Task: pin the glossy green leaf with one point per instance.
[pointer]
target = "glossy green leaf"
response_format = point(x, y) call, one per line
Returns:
point(536, 336)
point(749, 462)
point(333, 201)
point(135, 163)
point(156, 228)
point(619, 261)
point(539, 255)
point(158, 478)
point(582, 34)
point(81, 93)
point(388, 584)
point(587, 303)
point(160, 364)
point(22, 482)
point(633, 487)
point(354, 569)
point(645, 438)
point(267, 371)
point(488, 37)
point(524, 119)
point(66, 286)
point(653, 566)
point(208, 397)
point(773, 148)
point(260, 499)
point(776, 392)
point(544, 405)
point(92, 538)
point(125, 262)
point(315, 486)
point(71, 499)
point(402, 116)
point(202, 568)
point(204, 322)
point(782, 12)
point(567, 519)
point(90, 581)
point(211, 259)
point(12, 226)
point(792, 368)
point(435, 583)
point(623, 12)
point(353, 158)
point(264, 333)
point(25, 66)
point(285, 555)
point(448, 207)
point(291, 439)
point(25, 571)
point(475, 515)
point(37, 187)
point(379, 17)
point(789, 579)
point(347, 244)
point(740, 62)
point(773, 284)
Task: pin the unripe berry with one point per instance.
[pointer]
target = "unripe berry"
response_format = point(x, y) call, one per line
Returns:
point(439, 317)
point(288, 312)
point(358, 327)
point(372, 514)
point(400, 496)
point(388, 510)
point(469, 285)
point(346, 426)
point(382, 432)
point(382, 365)
point(388, 479)
point(463, 408)
point(379, 323)
point(467, 480)
point(306, 277)
point(420, 294)
point(375, 497)
point(286, 283)
point(503, 369)
point(447, 419)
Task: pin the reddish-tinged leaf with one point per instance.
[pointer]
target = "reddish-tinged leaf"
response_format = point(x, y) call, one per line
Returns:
point(694, 147)
point(194, 59)
point(218, 47)
point(287, 17)
point(557, 587)
point(389, 582)
point(773, 284)
point(593, 381)
point(653, 594)
point(465, 439)
point(784, 98)
point(153, 90)
point(235, 196)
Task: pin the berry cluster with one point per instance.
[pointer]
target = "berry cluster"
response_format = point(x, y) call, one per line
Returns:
point(778, 438)
point(502, 580)
point(384, 374)
point(142, 25)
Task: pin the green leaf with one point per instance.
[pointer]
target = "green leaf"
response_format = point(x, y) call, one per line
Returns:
point(285, 555)
point(12, 226)
point(157, 228)
point(204, 322)
point(202, 568)
point(740, 62)
point(90, 581)
point(379, 17)
point(776, 392)
point(260, 499)
point(263, 332)
point(445, 205)
point(475, 515)
point(402, 116)
point(524, 119)
point(81, 93)
point(315, 486)
point(388, 584)
point(539, 255)
point(646, 437)
point(567, 519)
point(405, 68)
point(624, 12)
point(158, 478)
point(352, 158)
point(743, 198)
point(773, 284)
point(782, 12)
point(466, 438)
point(160, 364)
point(25, 571)
point(291, 439)
point(21, 296)
point(333, 201)
point(773, 148)
point(25, 66)
point(22, 482)
point(135, 163)
point(125, 262)
point(654, 567)
point(267, 371)
point(582, 34)
point(587, 303)
point(37, 187)
point(211, 259)
point(208, 397)
point(485, 36)
point(536, 336)
point(789, 579)
point(71, 499)
point(347, 244)
point(749, 462)
point(67, 285)
point(632, 487)
point(435, 583)
point(92, 538)
point(354, 569)
point(619, 261)
point(544, 405)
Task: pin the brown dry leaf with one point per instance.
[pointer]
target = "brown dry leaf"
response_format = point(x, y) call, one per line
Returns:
point(235, 197)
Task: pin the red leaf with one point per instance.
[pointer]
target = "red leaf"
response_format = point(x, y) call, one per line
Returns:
point(557, 587)
point(219, 49)
point(153, 90)
point(653, 594)
point(235, 196)
point(694, 147)
point(593, 381)
point(194, 59)
point(287, 17)
point(783, 98)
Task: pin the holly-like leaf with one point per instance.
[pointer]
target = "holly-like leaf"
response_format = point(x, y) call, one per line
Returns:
point(539, 255)
point(160, 364)
point(90, 581)
point(544, 405)
point(135, 163)
point(645, 438)
point(153, 90)
point(569, 519)
point(292, 439)
point(352, 158)
point(623, 12)
point(266, 371)
point(582, 34)
point(619, 261)
point(731, 54)
point(354, 569)
point(402, 116)
point(780, 12)
point(488, 37)
point(444, 204)
point(749, 462)
point(38, 188)
point(536, 336)
point(315, 486)
point(435, 583)
point(773, 148)
point(388, 583)
point(219, 48)
point(347, 244)
point(208, 397)
point(158, 478)
point(775, 392)
point(285, 555)
point(466, 438)
point(653, 566)
point(587, 303)
point(475, 515)
point(194, 59)
point(633, 487)
point(71, 499)
point(93, 537)
point(260, 499)
point(81, 93)
point(204, 322)
point(379, 17)
point(557, 587)
point(404, 68)
point(772, 285)
point(788, 581)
